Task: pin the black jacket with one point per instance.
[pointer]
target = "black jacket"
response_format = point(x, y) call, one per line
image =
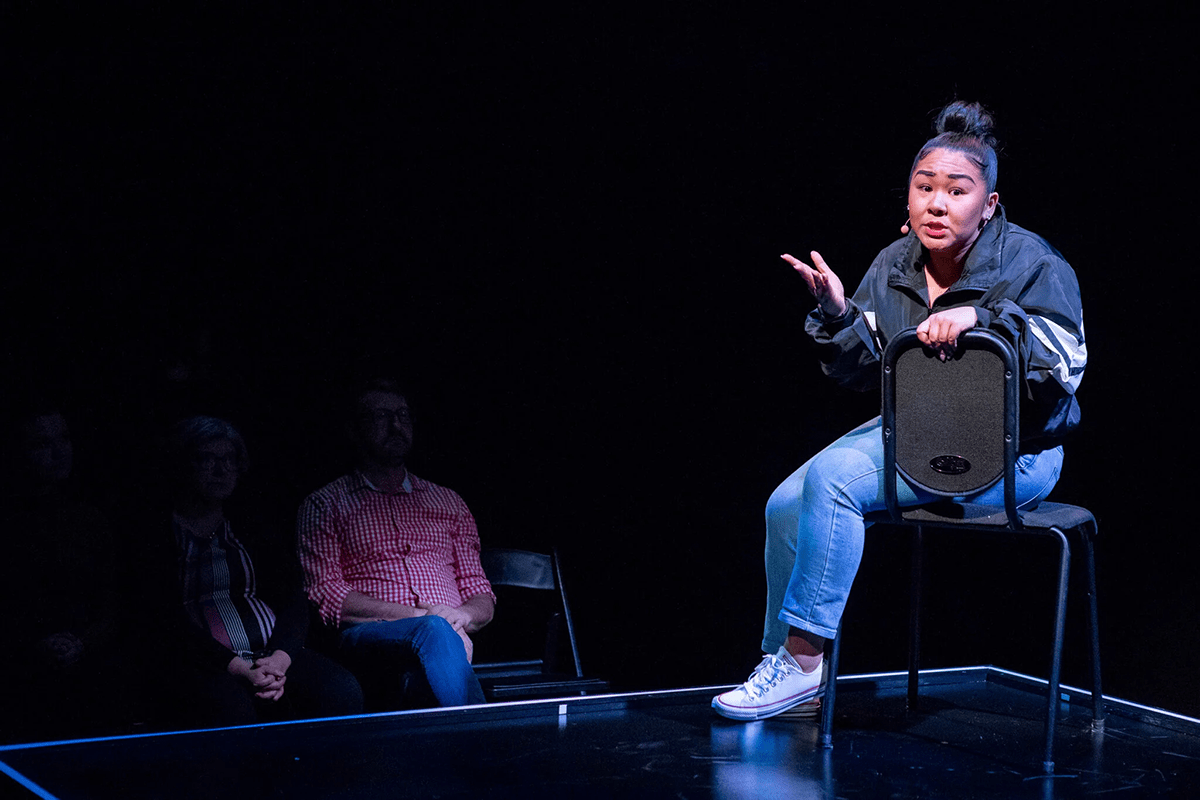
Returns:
point(1021, 288)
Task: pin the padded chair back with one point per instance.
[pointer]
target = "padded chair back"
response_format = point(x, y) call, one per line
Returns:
point(506, 567)
point(950, 427)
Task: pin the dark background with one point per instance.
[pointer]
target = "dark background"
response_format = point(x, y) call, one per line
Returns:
point(560, 228)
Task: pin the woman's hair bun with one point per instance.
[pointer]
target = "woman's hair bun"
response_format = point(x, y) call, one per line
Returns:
point(970, 119)
point(967, 128)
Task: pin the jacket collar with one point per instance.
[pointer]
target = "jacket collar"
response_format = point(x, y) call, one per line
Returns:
point(984, 259)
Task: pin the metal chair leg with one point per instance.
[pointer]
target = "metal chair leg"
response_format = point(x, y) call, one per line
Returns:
point(1060, 615)
point(1089, 555)
point(562, 593)
point(832, 652)
point(914, 619)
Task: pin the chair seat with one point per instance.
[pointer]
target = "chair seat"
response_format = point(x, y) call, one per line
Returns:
point(546, 686)
point(970, 515)
point(1059, 515)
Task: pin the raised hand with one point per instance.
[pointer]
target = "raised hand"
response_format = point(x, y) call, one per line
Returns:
point(822, 283)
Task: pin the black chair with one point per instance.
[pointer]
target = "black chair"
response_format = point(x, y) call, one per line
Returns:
point(533, 631)
point(952, 428)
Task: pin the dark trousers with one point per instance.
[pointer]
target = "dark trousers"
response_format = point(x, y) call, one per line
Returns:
point(316, 686)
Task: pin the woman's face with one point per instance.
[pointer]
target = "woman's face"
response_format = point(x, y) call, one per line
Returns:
point(215, 470)
point(947, 201)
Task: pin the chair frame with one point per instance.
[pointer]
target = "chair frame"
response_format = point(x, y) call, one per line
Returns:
point(550, 580)
point(1047, 519)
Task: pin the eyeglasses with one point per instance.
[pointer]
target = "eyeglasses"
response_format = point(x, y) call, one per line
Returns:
point(207, 461)
point(387, 416)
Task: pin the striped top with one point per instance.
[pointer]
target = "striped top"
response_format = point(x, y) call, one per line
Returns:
point(419, 545)
point(220, 592)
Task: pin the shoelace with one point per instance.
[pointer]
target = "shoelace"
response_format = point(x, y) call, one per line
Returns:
point(767, 674)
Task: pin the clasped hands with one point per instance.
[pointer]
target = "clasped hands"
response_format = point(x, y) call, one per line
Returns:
point(939, 331)
point(266, 675)
point(458, 619)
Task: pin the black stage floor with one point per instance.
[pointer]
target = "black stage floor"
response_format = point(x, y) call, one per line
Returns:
point(978, 735)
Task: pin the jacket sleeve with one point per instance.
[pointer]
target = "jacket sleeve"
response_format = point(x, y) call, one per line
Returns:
point(282, 581)
point(847, 346)
point(1041, 314)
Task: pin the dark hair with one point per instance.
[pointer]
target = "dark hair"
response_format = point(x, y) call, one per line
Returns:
point(967, 129)
point(189, 435)
point(361, 389)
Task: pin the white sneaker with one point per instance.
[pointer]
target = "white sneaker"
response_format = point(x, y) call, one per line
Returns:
point(776, 685)
point(810, 709)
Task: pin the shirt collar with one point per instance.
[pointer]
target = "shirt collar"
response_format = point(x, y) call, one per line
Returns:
point(185, 531)
point(406, 487)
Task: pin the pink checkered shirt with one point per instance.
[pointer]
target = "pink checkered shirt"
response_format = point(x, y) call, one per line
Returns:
point(417, 545)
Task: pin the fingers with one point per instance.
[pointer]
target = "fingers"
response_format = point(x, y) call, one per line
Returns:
point(265, 667)
point(468, 645)
point(932, 331)
point(945, 327)
point(820, 262)
point(941, 330)
point(272, 685)
point(266, 677)
point(823, 283)
point(804, 269)
point(457, 618)
point(817, 284)
point(937, 332)
point(270, 694)
point(923, 332)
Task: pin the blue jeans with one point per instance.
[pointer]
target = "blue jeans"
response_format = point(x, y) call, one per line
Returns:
point(815, 527)
point(426, 649)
